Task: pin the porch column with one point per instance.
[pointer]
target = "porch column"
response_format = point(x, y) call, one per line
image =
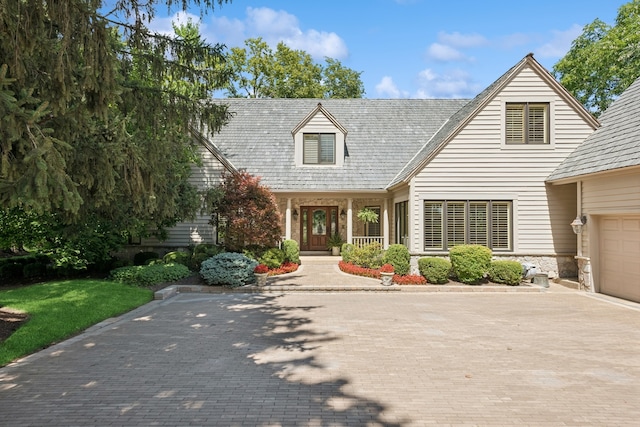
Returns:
point(287, 221)
point(385, 224)
point(349, 220)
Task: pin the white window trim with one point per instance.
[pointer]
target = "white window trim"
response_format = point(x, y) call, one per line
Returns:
point(421, 198)
point(531, 100)
point(299, 146)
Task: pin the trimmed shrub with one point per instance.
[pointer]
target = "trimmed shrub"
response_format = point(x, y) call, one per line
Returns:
point(147, 275)
point(143, 258)
point(11, 270)
point(507, 272)
point(272, 258)
point(291, 251)
point(368, 256)
point(208, 249)
point(435, 270)
point(229, 268)
point(347, 252)
point(470, 263)
point(398, 256)
point(177, 257)
point(35, 269)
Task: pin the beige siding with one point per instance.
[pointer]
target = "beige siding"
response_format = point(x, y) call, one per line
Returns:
point(476, 165)
point(615, 193)
point(319, 123)
point(199, 230)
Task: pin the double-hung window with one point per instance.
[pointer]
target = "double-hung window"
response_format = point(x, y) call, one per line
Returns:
point(455, 222)
point(527, 123)
point(319, 148)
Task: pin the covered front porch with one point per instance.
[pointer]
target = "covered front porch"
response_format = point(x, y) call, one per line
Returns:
point(311, 221)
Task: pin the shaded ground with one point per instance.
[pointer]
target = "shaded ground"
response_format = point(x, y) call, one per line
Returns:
point(10, 320)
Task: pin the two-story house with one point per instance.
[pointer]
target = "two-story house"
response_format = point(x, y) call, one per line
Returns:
point(439, 172)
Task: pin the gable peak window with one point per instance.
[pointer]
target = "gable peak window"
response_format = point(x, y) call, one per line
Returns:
point(319, 148)
point(527, 123)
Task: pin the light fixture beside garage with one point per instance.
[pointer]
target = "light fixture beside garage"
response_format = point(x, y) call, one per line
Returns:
point(578, 223)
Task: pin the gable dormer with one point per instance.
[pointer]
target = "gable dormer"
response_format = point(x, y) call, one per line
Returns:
point(319, 140)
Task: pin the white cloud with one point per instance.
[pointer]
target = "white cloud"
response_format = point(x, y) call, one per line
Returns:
point(225, 30)
point(456, 39)
point(165, 25)
point(449, 46)
point(560, 43)
point(388, 89)
point(275, 27)
point(262, 20)
point(454, 84)
point(441, 52)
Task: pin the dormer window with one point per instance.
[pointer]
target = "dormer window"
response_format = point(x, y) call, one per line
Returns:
point(319, 140)
point(319, 148)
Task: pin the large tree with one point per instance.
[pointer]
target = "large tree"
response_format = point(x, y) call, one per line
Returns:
point(96, 112)
point(259, 72)
point(604, 60)
point(91, 107)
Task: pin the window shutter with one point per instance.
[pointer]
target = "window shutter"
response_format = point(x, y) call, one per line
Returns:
point(310, 149)
point(432, 225)
point(501, 225)
point(455, 223)
point(515, 124)
point(327, 148)
point(537, 124)
point(478, 225)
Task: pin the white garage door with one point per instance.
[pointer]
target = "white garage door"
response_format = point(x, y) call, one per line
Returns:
point(620, 257)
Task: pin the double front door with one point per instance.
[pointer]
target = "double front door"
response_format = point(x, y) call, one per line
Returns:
point(317, 224)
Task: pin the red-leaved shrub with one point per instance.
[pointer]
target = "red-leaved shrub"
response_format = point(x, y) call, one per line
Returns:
point(261, 269)
point(409, 279)
point(350, 268)
point(387, 268)
point(287, 267)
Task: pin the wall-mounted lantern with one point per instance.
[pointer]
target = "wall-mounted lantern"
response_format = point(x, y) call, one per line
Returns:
point(343, 215)
point(578, 223)
point(295, 214)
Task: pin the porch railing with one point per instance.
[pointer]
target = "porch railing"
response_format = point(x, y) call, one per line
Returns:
point(360, 241)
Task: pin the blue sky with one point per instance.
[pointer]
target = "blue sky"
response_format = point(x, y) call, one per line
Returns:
point(409, 48)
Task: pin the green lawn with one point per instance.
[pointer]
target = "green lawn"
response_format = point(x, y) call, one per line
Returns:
point(61, 309)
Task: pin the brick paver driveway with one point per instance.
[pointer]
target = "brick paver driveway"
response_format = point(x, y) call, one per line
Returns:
point(338, 359)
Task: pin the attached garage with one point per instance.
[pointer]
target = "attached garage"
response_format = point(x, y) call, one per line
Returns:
point(619, 256)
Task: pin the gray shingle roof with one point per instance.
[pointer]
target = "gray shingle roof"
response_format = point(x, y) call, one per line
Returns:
point(383, 136)
point(615, 145)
